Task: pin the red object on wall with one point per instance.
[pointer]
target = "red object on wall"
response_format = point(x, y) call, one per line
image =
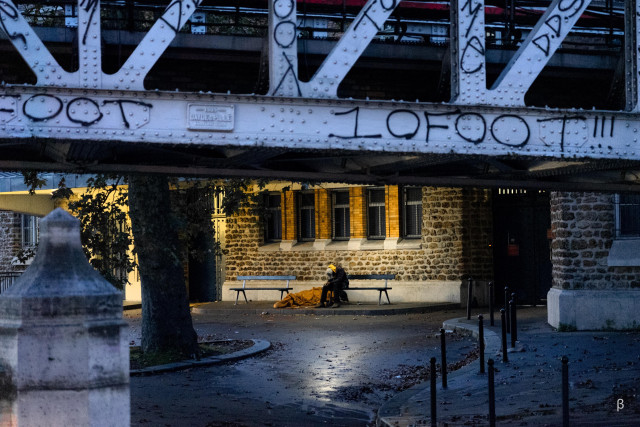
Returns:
point(513, 249)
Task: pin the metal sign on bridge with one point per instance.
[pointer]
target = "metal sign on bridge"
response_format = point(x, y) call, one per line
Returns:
point(89, 106)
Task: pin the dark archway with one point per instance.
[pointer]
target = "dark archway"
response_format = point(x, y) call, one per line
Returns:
point(521, 252)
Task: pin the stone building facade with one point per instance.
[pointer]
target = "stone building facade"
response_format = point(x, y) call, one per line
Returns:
point(430, 238)
point(454, 241)
point(596, 264)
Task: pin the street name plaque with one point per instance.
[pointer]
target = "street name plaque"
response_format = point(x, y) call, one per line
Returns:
point(211, 117)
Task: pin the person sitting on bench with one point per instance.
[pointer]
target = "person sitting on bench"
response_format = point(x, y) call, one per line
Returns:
point(336, 283)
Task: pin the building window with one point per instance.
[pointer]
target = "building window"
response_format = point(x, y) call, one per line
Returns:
point(628, 215)
point(376, 213)
point(340, 208)
point(412, 212)
point(273, 218)
point(29, 229)
point(306, 216)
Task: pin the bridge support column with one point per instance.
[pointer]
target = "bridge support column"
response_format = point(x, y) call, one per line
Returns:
point(63, 357)
point(592, 289)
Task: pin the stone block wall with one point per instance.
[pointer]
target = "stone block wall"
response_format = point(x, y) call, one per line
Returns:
point(10, 239)
point(456, 238)
point(588, 293)
point(584, 229)
point(457, 232)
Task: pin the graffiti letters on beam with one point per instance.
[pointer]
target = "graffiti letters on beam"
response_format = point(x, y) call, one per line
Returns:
point(79, 112)
point(89, 74)
point(178, 13)
point(509, 89)
point(552, 27)
point(472, 57)
point(456, 128)
point(166, 117)
point(9, 13)
point(283, 51)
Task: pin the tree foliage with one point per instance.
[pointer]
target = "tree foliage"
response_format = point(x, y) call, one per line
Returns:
point(105, 230)
point(33, 181)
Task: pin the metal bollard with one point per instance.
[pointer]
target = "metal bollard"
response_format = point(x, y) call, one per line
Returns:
point(514, 318)
point(513, 336)
point(505, 358)
point(433, 392)
point(565, 391)
point(506, 308)
point(481, 341)
point(491, 300)
point(492, 395)
point(443, 354)
point(469, 296)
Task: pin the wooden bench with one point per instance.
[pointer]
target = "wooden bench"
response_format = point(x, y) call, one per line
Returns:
point(380, 289)
point(245, 279)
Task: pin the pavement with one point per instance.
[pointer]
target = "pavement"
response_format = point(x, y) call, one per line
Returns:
point(347, 309)
point(604, 379)
point(322, 369)
point(604, 371)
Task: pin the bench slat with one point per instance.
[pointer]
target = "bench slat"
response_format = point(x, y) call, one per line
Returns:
point(371, 276)
point(380, 289)
point(244, 288)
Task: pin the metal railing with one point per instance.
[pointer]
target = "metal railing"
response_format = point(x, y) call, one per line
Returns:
point(7, 278)
point(419, 21)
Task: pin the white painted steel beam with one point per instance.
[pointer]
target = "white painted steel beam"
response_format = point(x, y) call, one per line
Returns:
point(88, 104)
point(283, 49)
point(467, 46)
point(300, 123)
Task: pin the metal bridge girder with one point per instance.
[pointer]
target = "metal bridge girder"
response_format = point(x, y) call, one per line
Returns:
point(90, 105)
point(301, 123)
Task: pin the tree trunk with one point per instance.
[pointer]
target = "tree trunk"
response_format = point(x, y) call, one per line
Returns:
point(166, 319)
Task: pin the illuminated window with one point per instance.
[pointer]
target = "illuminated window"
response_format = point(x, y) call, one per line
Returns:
point(376, 213)
point(273, 220)
point(306, 216)
point(340, 207)
point(412, 212)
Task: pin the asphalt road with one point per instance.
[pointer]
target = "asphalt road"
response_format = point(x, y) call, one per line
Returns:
point(321, 370)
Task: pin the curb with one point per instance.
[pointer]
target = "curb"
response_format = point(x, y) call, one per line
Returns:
point(492, 341)
point(344, 310)
point(388, 414)
point(258, 347)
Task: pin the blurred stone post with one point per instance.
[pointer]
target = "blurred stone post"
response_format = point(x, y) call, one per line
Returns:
point(64, 357)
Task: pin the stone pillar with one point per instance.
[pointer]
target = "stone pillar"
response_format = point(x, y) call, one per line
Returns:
point(589, 291)
point(62, 347)
point(10, 239)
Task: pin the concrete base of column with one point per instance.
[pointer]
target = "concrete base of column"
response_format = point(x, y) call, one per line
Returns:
point(581, 310)
point(104, 406)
